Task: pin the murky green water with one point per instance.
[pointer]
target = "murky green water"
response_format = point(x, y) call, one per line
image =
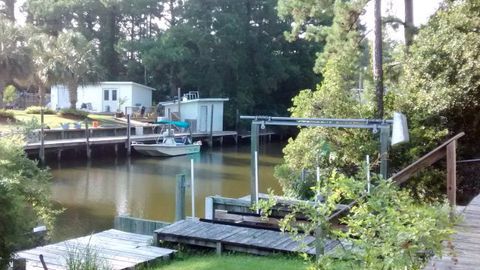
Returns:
point(94, 192)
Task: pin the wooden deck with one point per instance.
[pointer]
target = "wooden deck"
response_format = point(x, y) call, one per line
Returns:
point(235, 238)
point(120, 250)
point(109, 140)
point(466, 243)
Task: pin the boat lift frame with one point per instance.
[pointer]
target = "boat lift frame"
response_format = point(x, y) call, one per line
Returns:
point(384, 126)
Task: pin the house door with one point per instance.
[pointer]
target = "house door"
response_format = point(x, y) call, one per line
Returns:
point(110, 102)
point(203, 119)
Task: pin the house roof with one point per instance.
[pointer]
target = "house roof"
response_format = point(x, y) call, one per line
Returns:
point(167, 103)
point(126, 82)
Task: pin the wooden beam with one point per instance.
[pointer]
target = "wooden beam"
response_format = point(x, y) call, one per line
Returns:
point(425, 161)
point(452, 173)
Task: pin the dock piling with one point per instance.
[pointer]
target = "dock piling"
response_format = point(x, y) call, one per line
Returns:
point(129, 131)
point(180, 197)
point(87, 136)
point(42, 136)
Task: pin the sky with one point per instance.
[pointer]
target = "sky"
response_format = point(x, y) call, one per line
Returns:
point(422, 10)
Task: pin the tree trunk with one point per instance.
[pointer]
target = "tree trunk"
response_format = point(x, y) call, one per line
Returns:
point(41, 94)
point(377, 59)
point(10, 9)
point(408, 28)
point(72, 93)
point(2, 88)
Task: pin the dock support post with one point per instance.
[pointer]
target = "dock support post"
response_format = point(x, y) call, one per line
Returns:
point(384, 141)
point(42, 137)
point(87, 136)
point(180, 197)
point(116, 149)
point(192, 185)
point(129, 131)
point(452, 174)
point(218, 248)
point(59, 155)
point(254, 148)
point(210, 142)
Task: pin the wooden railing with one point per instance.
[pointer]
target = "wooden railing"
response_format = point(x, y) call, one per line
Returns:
point(447, 149)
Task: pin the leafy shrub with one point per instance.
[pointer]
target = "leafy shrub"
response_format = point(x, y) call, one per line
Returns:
point(37, 109)
point(6, 115)
point(9, 94)
point(386, 229)
point(73, 113)
point(24, 197)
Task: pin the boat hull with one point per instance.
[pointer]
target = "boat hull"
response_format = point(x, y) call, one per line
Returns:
point(163, 150)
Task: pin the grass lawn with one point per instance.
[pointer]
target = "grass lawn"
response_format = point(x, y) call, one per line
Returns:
point(54, 120)
point(234, 262)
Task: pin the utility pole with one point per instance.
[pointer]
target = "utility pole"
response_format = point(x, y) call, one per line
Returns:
point(377, 58)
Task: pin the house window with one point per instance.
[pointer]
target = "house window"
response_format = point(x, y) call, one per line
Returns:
point(105, 94)
point(114, 95)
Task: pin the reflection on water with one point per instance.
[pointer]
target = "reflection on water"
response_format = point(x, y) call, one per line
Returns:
point(93, 192)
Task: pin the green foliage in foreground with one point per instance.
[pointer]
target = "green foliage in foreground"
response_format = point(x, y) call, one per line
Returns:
point(387, 229)
point(234, 262)
point(37, 110)
point(24, 197)
point(85, 258)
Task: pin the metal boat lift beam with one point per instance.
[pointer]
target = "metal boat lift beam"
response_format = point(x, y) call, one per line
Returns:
point(383, 126)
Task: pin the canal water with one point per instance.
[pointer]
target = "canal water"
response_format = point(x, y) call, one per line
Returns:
point(94, 192)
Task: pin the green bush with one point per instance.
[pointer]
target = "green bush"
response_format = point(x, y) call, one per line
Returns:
point(6, 115)
point(9, 94)
point(73, 113)
point(24, 198)
point(386, 229)
point(36, 110)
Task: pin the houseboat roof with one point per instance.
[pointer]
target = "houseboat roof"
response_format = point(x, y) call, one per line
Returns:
point(166, 103)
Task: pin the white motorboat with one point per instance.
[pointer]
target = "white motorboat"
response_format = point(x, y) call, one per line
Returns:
point(169, 146)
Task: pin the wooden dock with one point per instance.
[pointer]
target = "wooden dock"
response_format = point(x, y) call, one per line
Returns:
point(464, 250)
point(112, 140)
point(236, 238)
point(119, 250)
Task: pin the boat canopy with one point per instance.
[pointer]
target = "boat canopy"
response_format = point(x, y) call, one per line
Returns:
point(179, 124)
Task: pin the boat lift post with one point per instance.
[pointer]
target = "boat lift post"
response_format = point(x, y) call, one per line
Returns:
point(384, 126)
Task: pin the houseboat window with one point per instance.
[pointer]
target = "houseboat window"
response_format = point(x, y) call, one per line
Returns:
point(105, 94)
point(114, 95)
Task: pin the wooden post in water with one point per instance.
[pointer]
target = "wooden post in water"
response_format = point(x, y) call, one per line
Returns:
point(254, 148)
point(180, 197)
point(129, 131)
point(210, 143)
point(87, 136)
point(192, 185)
point(42, 137)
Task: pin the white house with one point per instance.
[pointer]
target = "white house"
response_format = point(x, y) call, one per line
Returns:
point(104, 96)
point(198, 111)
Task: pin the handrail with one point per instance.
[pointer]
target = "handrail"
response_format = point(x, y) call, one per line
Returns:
point(425, 161)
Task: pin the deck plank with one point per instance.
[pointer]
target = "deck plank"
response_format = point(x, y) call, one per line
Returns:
point(252, 240)
point(120, 250)
point(465, 242)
